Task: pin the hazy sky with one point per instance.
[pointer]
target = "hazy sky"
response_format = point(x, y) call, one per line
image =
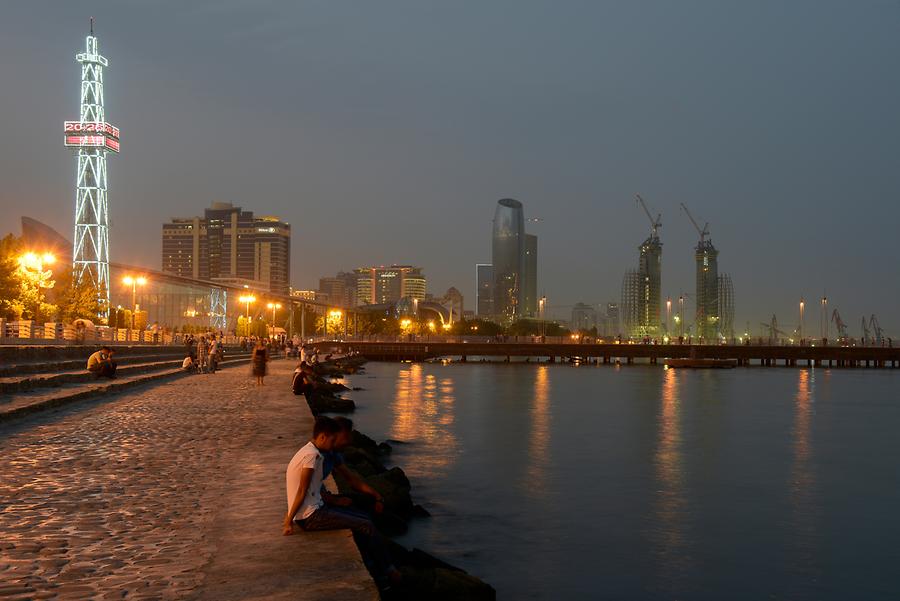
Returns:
point(386, 132)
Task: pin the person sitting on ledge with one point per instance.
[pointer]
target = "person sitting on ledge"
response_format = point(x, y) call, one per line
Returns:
point(101, 364)
point(334, 462)
point(307, 511)
point(188, 364)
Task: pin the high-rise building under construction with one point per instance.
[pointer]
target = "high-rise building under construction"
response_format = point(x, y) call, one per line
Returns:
point(642, 288)
point(714, 296)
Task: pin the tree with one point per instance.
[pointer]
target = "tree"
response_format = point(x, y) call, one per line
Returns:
point(23, 282)
point(76, 299)
point(10, 304)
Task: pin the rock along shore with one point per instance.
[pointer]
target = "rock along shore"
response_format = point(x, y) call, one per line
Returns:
point(424, 576)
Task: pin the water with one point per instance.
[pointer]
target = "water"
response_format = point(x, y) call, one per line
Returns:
point(598, 482)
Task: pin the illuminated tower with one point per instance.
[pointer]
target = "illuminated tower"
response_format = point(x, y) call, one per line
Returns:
point(93, 137)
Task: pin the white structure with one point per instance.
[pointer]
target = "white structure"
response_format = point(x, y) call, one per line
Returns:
point(93, 137)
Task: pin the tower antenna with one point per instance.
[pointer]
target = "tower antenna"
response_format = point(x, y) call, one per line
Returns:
point(92, 25)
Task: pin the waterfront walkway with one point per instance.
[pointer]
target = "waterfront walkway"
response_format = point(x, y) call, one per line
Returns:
point(171, 491)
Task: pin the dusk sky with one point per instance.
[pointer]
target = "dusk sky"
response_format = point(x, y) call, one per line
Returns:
point(385, 132)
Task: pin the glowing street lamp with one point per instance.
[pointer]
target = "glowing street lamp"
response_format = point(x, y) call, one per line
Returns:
point(800, 329)
point(668, 313)
point(247, 299)
point(134, 282)
point(274, 307)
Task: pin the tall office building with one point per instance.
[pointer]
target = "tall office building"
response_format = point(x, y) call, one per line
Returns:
point(379, 285)
point(484, 290)
point(514, 263)
point(229, 245)
point(508, 252)
point(339, 290)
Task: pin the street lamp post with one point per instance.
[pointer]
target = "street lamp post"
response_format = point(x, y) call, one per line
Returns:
point(681, 316)
point(134, 282)
point(247, 299)
point(541, 303)
point(274, 307)
point(800, 328)
point(668, 313)
point(824, 318)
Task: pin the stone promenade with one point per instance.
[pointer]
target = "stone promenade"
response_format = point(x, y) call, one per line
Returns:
point(170, 491)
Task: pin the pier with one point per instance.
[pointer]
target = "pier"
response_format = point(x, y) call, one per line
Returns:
point(744, 355)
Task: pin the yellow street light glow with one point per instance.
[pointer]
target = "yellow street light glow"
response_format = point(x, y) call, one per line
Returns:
point(335, 314)
point(141, 281)
point(247, 299)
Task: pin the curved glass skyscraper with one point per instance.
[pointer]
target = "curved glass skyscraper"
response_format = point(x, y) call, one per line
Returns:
point(508, 250)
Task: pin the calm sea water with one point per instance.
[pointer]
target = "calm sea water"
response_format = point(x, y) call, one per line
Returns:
point(603, 482)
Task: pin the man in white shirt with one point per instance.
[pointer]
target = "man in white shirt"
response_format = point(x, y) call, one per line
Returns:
point(307, 510)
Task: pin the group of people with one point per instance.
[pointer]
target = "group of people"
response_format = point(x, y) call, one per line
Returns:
point(203, 354)
point(311, 507)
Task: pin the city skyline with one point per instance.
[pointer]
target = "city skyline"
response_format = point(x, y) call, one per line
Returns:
point(777, 201)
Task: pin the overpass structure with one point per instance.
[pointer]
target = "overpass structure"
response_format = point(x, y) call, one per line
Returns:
point(744, 355)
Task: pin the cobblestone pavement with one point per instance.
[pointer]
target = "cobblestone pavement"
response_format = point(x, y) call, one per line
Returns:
point(114, 499)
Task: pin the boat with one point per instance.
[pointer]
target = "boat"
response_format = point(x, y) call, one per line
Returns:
point(702, 363)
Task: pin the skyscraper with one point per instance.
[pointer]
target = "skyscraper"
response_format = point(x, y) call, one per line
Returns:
point(508, 252)
point(229, 245)
point(484, 290)
point(642, 289)
point(707, 265)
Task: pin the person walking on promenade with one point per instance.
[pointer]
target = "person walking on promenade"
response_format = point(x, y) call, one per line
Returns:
point(202, 354)
point(306, 510)
point(213, 355)
point(101, 363)
point(260, 358)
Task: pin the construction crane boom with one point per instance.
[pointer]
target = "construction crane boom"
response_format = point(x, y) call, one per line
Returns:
point(704, 232)
point(655, 224)
point(841, 326)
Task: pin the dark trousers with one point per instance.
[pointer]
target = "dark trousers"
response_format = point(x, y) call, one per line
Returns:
point(107, 369)
point(372, 545)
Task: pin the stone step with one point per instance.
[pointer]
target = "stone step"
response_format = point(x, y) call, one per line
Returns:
point(12, 353)
point(49, 367)
point(27, 403)
point(16, 384)
point(123, 355)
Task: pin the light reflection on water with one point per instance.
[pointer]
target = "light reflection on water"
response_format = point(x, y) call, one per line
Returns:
point(670, 504)
point(641, 483)
point(539, 448)
point(423, 410)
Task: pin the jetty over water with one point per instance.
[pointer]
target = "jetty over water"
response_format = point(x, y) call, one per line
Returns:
point(605, 353)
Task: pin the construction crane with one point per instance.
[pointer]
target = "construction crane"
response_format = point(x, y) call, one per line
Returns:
point(655, 224)
point(774, 332)
point(876, 327)
point(841, 326)
point(704, 232)
point(865, 331)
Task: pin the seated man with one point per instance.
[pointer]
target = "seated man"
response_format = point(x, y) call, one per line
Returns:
point(334, 461)
point(101, 363)
point(307, 510)
point(188, 364)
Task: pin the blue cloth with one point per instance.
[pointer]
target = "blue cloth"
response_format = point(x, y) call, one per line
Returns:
point(332, 460)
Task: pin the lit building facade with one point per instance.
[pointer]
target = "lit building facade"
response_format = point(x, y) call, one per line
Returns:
point(508, 259)
point(229, 245)
point(382, 285)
